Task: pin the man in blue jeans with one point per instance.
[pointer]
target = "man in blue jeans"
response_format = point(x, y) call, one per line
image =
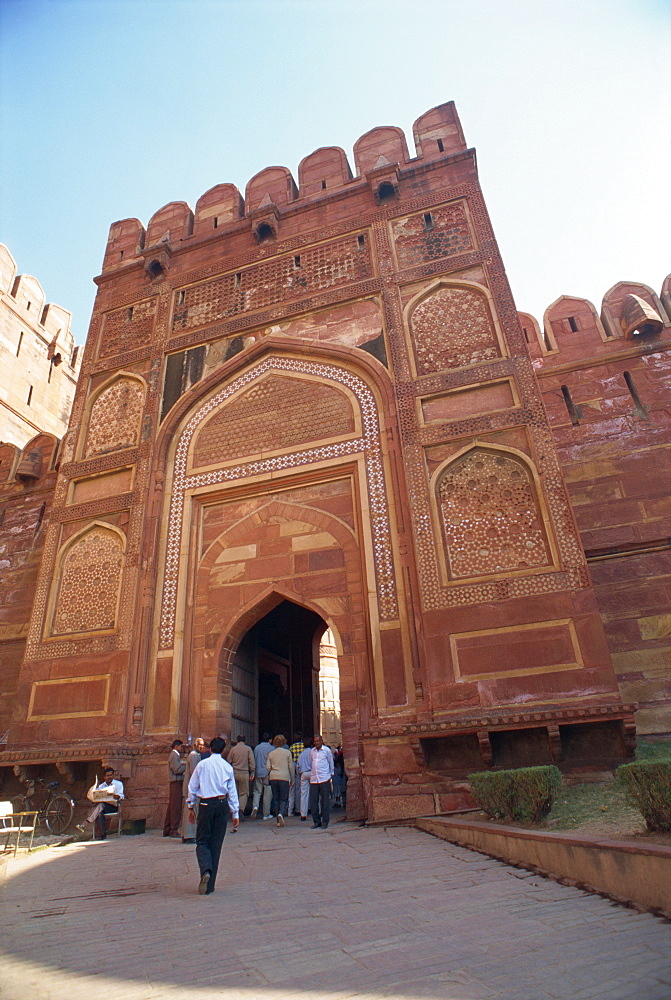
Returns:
point(321, 774)
point(213, 782)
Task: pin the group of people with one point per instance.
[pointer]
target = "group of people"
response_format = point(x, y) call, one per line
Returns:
point(213, 784)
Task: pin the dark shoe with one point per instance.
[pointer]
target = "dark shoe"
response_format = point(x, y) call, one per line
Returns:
point(188, 840)
point(203, 884)
point(325, 826)
point(315, 825)
point(303, 818)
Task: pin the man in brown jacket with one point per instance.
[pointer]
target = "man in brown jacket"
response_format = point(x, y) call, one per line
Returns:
point(241, 759)
point(173, 813)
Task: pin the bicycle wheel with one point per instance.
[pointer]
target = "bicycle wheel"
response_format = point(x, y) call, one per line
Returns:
point(59, 813)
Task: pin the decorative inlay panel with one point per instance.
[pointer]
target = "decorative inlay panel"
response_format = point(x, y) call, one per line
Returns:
point(368, 444)
point(114, 420)
point(128, 328)
point(442, 232)
point(90, 576)
point(490, 518)
point(452, 328)
point(320, 266)
point(310, 411)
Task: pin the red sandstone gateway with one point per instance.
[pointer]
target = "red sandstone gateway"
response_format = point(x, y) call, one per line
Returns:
point(310, 416)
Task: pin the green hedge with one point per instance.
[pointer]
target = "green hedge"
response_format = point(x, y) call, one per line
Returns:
point(527, 793)
point(648, 786)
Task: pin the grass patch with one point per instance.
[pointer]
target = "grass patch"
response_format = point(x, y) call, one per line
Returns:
point(653, 750)
point(579, 806)
point(604, 808)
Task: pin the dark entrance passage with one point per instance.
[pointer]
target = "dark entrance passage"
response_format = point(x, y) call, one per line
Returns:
point(276, 675)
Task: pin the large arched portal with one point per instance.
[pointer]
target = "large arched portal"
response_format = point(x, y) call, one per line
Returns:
point(278, 490)
point(275, 683)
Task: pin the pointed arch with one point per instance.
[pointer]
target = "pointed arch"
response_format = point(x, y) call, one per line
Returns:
point(490, 513)
point(87, 581)
point(182, 480)
point(113, 415)
point(451, 324)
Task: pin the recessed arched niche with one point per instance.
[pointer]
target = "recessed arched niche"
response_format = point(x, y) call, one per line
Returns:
point(452, 326)
point(490, 517)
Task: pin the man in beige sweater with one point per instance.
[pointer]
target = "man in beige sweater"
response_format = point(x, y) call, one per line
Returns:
point(241, 759)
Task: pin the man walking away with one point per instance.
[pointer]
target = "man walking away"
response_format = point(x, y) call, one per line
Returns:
point(173, 813)
point(321, 774)
point(261, 782)
point(213, 783)
point(241, 759)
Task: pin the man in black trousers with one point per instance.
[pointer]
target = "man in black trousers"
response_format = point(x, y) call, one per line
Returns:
point(213, 782)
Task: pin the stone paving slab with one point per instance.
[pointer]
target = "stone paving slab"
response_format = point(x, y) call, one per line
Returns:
point(353, 913)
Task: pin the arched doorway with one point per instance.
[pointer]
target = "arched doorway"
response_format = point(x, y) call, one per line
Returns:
point(275, 680)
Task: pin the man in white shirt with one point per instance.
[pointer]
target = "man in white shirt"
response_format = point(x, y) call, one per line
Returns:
point(213, 782)
point(100, 812)
point(321, 773)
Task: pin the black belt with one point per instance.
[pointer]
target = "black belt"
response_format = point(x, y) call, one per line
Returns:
point(216, 798)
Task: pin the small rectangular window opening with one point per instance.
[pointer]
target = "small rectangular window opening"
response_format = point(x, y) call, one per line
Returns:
point(15, 286)
point(361, 240)
point(526, 335)
point(73, 359)
point(428, 220)
point(297, 260)
point(28, 305)
point(18, 346)
point(129, 313)
point(238, 279)
point(546, 341)
point(120, 254)
point(323, 185)
point(51, 367)
point(573, 411)
point(215, 222)
point(180, 298)
point(641, 408)
point(572, 323)
point(43, 317)
point(440, 145)
point(30, 394)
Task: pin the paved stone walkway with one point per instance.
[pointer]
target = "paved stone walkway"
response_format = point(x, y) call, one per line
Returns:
point(352, 912)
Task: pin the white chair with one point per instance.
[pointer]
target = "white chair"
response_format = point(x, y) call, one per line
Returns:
point(16, 823)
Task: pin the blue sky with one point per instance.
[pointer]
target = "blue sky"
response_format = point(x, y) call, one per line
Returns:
point(111, 108)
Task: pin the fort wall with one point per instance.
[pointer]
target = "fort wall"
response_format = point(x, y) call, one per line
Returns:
point(319, 394)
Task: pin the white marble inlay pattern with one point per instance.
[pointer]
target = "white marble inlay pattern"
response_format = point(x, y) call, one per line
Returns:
point(369, 444)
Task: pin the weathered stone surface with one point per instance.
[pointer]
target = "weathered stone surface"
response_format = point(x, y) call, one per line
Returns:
point(322, 413)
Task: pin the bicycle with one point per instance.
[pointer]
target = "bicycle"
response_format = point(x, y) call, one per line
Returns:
point(56, 811)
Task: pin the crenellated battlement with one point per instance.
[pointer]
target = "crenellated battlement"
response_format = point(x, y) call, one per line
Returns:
point(380, 157)
point(631, 312)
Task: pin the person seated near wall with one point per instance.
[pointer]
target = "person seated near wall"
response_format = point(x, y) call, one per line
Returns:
point(98, 815)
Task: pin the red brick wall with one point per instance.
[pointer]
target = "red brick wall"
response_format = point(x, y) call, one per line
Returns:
point(615, 450)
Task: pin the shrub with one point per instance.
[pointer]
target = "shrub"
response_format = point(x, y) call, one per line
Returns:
point(648, 786)
point(526, 794)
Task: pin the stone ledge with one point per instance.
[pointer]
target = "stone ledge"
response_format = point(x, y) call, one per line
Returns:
point(627, 872)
